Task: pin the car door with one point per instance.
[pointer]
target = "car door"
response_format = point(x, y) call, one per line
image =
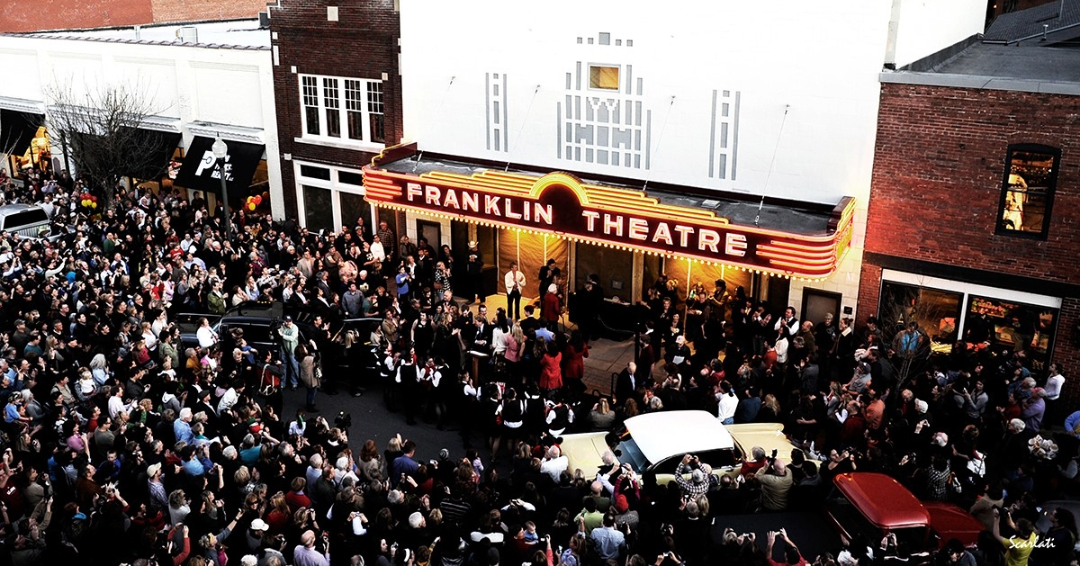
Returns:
point(723, 461)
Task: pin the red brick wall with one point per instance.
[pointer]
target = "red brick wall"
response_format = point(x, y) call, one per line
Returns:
point(938, 169)
point(72, 14)
point(937, 183)
point(82, 14)
point(199, 10)
point(362, 44)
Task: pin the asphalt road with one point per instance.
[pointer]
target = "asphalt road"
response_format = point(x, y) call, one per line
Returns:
point(371, 420)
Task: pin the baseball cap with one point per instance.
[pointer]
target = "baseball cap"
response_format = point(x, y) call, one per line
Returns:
point(259, 525)
point(153, 470)
point(288, 318)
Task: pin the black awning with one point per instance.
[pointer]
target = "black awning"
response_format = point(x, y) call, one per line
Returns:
point(200, 170)
point(17, 129)
point(158, 147)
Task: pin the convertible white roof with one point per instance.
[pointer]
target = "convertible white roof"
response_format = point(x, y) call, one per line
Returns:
point(669, 433)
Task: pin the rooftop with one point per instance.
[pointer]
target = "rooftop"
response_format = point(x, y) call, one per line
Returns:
point(1020, 67)
point(1051, 23)
point(1033, 50)
point(231, 34)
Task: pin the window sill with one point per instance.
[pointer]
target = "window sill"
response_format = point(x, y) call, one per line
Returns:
point(354, 146)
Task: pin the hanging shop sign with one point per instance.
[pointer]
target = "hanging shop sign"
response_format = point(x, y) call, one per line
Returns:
point(560, 204)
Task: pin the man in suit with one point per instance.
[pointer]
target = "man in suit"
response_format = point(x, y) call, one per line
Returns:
point(425, 268)
point(628, 382)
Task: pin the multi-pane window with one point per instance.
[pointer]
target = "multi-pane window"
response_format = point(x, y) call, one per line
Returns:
point(310, 89)
point(375, 109)
point(1027, 193)
point(331, 102)
point(354, 106)
point(333, 107)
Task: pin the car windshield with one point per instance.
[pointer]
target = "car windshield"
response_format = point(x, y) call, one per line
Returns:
point(632, 455)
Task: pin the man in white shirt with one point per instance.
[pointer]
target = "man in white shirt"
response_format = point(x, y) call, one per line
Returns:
point(515, 282)
point(555, 463)
point(1054, 383)
point(788, 322)
point(206, 335)
point(229, 399)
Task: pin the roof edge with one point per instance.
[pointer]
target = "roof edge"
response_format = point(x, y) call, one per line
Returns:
point(978, 82)
point(939, 58)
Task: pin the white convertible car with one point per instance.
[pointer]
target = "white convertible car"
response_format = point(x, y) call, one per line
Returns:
point(656, 442)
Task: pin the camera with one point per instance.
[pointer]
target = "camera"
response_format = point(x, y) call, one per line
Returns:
point(343, 420)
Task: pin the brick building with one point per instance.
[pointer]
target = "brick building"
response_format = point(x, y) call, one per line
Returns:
point(974, 213)
point(604, 105)
point(85, 14)
point(308, 40)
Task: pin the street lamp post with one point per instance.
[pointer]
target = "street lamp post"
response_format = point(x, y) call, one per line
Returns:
point(221, 150)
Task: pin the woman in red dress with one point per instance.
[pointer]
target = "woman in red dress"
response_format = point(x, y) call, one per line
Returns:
point(551, 369)
point(574, 361)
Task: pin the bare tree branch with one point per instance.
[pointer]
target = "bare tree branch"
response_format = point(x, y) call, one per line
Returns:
point(104, 133)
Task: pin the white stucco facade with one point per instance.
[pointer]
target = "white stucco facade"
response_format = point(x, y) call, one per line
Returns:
point(195, 89)
point(776, 99)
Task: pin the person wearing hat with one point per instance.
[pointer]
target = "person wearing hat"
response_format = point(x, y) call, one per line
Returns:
point(255, 536)
point(860, 380)
point(158, 496)
point(290, 338)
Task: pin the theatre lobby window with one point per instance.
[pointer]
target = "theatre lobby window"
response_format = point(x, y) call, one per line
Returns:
point(1027, 194)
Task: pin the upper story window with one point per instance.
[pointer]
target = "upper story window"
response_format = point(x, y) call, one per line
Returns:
point(603, 77)
point(1027, 194)
point(338, 108)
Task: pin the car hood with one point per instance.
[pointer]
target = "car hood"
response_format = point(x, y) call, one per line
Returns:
point(585, 451)
point(951, 521)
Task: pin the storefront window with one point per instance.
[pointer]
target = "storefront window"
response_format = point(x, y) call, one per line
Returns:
point(937, 312)
point(1012, 325)
point(354, 206)
point(317, 202)
point(1028, 191)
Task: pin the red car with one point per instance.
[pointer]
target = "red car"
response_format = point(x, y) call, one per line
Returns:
point(876, 505)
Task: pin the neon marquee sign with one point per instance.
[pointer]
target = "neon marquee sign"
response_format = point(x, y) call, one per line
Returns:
point(560, 204)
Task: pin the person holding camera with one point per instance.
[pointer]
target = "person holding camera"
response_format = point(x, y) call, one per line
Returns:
point(776, 482)
point(699, 482)
point(792, 556)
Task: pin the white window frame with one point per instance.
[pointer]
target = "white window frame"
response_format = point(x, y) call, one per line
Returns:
point(334, 185)
point(966, 290)
point(370, 89)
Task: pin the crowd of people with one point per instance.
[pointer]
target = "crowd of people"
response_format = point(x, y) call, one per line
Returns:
point(122, 444)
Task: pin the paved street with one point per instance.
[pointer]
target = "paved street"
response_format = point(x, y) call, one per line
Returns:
point(371, 419)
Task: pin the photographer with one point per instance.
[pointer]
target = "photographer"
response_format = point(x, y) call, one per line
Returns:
point(776, 482)
point(699, 481)
point(792, 556)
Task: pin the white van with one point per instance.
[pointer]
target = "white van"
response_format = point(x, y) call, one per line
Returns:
point(28, 221)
